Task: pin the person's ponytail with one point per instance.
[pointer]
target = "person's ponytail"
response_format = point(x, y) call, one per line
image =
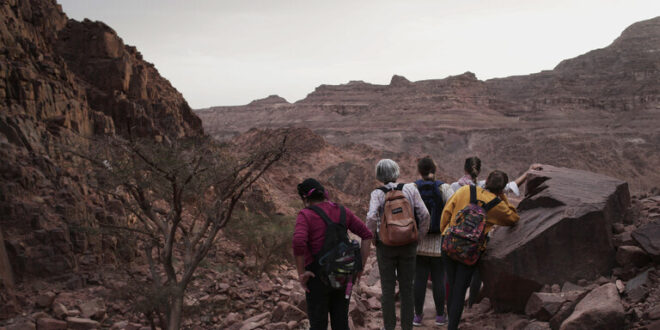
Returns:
point(473, 168)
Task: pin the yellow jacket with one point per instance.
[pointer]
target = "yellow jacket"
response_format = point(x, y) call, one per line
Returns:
point(503, 214)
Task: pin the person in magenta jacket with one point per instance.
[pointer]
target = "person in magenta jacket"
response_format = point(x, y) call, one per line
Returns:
point(308, 238)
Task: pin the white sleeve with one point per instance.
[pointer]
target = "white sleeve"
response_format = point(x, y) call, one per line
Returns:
point(481, 183)
point(447, 192)
point(373, 215)
point(455, 186)
point(512, 187)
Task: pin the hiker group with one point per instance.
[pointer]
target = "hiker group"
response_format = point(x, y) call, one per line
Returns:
point(422, 230)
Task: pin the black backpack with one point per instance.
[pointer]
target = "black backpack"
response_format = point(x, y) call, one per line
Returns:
point(339, 259)
point(432, 197)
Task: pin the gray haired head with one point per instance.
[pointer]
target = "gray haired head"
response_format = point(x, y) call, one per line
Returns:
point(387, 171)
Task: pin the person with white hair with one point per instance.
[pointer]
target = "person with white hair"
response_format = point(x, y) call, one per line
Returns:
point(396, 263)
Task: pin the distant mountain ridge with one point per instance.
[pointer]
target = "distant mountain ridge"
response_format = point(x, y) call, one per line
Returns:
point(597, 111)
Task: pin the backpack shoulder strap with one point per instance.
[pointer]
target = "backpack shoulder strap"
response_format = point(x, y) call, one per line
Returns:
point(439, 195)
point(473, 194)
point(399, 186)
point(492, 203)
point(342, 215)
point(384, 189)
point(321, 214)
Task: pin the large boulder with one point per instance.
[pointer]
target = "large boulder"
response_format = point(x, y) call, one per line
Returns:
point(648, 237)
point(545, 306)
point(564, 234)
point(600, 309)
point(629, 255)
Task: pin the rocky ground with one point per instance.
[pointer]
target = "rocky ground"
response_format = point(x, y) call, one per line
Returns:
point(63, 82)
point(223, 296)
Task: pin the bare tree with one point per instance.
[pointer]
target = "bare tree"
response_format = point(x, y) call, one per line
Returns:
point(179, 194)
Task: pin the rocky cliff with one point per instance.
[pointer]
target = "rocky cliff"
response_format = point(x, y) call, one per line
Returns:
point(61, 83)
point(597, 112)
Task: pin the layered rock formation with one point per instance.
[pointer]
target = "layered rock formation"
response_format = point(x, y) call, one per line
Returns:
point(61, 83)
point(564, 234)
point(595, 112)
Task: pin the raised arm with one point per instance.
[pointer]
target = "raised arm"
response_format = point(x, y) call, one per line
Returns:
point(503, 214)
point(521, 179)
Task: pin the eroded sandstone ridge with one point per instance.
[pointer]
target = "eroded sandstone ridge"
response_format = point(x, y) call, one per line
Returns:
point(596, 112)
point(61, 83)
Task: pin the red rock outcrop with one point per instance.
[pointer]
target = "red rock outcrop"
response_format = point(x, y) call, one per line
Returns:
point(122, 85)
point(62, 82)
point(564, 234)
point(596, 112)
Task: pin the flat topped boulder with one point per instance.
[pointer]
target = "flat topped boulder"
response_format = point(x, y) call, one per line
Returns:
point(564, 234)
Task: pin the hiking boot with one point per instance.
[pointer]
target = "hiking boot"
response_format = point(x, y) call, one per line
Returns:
point(440, 320)
point(417, 320)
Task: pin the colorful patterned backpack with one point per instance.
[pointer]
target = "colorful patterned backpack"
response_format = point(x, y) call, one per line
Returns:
point(464, 240)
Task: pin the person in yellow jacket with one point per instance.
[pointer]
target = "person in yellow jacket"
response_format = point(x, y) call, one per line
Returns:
point(503, 214)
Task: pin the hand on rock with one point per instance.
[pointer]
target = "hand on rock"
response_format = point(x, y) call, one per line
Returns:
point(536, 167)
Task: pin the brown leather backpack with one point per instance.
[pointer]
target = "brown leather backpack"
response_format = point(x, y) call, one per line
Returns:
point(397, 226)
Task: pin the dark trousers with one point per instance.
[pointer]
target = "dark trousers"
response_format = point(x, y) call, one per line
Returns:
point(321, 300)
point(459, 277)
point(397, 263)
point(475, 288)
point(430, 265)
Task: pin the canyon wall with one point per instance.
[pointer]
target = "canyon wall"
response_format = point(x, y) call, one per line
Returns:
point(597, 112)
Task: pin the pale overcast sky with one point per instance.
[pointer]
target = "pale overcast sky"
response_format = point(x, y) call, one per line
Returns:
point(232, 52)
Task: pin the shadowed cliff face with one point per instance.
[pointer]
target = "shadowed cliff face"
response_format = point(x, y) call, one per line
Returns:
point(122, 85)
point(597, 112)
point(62, 82)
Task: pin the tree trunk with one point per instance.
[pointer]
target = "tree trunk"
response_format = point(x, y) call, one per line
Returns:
point(176, 310)
point(6, 275)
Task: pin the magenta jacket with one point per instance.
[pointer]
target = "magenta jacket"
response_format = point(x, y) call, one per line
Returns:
point(309, 233)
